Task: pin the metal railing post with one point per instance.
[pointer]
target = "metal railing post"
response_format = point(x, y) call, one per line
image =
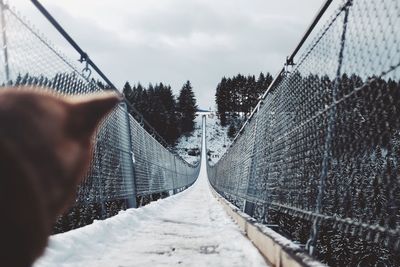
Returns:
point(3, 7)
point(175, 176)
point(332, 116)
point(131, 200)
point(250, 206)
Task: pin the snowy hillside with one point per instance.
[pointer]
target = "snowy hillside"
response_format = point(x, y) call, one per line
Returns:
point(188, 147)
point(217, 140)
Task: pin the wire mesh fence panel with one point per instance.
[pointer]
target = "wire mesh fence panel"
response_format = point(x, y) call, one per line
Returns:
point(127, 161)
point(325, 163)
point(155, 167)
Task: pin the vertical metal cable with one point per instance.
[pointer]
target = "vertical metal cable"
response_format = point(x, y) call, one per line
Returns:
point(311, 243)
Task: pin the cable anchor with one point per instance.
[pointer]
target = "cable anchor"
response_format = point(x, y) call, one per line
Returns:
point(86, 71)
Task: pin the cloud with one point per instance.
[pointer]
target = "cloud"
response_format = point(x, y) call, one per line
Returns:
point(172, 41)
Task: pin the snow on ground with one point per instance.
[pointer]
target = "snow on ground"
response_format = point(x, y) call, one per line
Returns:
point(188, 229)
point(217, 140)
point(186, 144)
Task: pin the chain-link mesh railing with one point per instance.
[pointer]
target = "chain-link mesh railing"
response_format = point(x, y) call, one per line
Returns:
point(320, 159)
point(128, 162)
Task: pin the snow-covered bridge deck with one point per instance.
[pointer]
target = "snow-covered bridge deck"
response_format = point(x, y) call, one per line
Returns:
point(188, 229)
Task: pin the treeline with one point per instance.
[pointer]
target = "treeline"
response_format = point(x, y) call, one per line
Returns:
point(64, 82)
point(237, 96)
point(171, 117)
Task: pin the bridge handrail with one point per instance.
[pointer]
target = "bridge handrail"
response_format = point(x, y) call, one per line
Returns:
point(130, 165)
point(319, 156)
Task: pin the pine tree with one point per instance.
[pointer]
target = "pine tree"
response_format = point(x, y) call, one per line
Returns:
point(186, 108)
point(127, 91)
point(169, 123)
point(221, 98)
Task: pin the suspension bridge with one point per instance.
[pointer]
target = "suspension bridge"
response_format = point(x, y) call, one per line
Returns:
point(312, 177)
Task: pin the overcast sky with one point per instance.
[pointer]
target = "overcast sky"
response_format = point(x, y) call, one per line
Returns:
point(172, 41)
